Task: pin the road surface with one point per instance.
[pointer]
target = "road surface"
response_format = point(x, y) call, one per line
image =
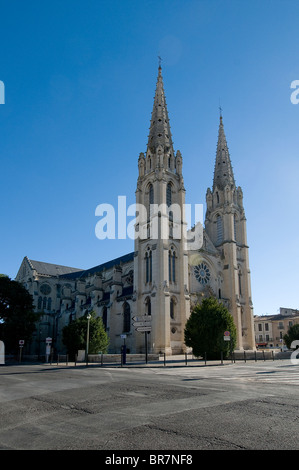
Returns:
point(241, 406)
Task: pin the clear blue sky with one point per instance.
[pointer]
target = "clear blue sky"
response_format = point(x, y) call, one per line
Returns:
point(79, 83)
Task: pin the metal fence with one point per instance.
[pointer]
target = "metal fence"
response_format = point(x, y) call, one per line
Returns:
point(121, 360)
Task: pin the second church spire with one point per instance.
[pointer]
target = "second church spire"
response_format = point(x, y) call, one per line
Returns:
point(160, 133)
point(223, 172)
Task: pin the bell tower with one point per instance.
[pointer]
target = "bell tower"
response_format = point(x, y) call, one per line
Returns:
point(161, 258)
point(226, 226)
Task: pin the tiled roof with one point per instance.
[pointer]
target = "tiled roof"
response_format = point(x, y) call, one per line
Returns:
point(50, 269)
point(99, 268)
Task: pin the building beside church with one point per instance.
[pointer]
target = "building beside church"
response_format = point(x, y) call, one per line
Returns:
point(165, 275)
point(271, 329)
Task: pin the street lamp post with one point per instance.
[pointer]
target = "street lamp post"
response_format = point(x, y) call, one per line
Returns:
point(87, 336)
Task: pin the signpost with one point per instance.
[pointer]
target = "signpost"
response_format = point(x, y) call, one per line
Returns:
point(144, 328)
point(142, 318)
point(48, 348)
point(226, 336)
point(123, 350)
point(21, 344)
point(144, 325)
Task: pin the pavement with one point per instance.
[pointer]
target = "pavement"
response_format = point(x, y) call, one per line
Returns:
point(150, 407)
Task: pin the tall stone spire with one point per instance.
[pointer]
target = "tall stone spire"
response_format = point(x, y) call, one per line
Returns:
point(223, 172)
point(161, 277)
point(160, 133)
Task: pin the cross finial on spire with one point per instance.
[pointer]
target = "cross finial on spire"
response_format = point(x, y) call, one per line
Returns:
point(220, 110)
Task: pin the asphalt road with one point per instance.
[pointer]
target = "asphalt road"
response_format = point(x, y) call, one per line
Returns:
point(241, 406)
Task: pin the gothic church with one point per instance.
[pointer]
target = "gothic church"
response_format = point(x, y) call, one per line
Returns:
point(162, 278)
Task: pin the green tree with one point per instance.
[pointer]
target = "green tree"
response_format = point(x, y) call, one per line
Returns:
point(17, 316)
point(292, 335)
point(204, 330)
point(74, 335)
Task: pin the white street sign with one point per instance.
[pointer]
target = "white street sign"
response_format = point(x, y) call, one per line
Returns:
point(144, 328)
point(142, 318)
point(142, 323)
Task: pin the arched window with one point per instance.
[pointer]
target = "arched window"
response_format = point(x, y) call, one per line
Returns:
point(150, 200)
point(219, 229)
point(127, 317)
point(39, 304)
point(148, 306)
point(104, 317)
point(49, 303)
point(235, 227)
point(171, 265)
point(168, 195)
point(44, 303)
point(148, 266)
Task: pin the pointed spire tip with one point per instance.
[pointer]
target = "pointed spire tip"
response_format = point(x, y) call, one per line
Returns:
point(160, 66)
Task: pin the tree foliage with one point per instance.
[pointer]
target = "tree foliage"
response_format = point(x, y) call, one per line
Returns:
point(74, 335)
point(292, 335)
point(204, 330)
point(17, 317)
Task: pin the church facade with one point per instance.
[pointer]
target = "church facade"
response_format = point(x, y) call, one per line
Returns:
point(170, 270)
